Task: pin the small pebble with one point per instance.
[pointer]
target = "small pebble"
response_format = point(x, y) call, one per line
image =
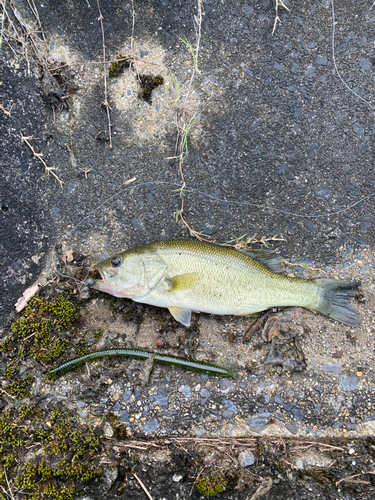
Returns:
point(246, 458)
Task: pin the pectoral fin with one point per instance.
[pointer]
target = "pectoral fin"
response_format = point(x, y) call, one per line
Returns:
point(183, 281)
point(180, 314)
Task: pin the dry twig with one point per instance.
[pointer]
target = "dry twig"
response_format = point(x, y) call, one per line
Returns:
point(9, 492)
point(277, 19)
point(196, 479)
point(132, 35)
point(264, 488)
point(143, 486)
point(34, 10)
point(105, 102)
point(49, 170)
point(6, 112)
point(5, 392)
point(349, 479)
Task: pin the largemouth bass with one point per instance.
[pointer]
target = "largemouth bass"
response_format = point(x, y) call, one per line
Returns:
point(186, 276)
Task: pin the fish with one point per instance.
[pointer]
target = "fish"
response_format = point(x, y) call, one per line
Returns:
point(187, 275)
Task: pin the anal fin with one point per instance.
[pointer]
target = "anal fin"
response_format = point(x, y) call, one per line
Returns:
point(181, 314)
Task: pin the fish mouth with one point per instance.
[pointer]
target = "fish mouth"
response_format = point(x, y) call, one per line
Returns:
point(100, 284)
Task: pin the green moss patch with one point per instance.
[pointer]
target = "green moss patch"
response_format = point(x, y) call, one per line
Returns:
point(45, 455)
point(39, 333)
point(148, 83)
point(118, 66)
point(210, 485)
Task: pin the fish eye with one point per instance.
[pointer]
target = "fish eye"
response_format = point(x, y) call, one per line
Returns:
point(116, 261)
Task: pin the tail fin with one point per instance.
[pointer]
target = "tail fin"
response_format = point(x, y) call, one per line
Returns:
point(334, 300)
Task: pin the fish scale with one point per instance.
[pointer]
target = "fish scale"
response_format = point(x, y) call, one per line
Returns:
point(231, 282)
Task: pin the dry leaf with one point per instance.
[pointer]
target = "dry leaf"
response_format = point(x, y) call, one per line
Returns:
point(338, 354)
point(68, 256)
point(274, 331)
point(26, 296)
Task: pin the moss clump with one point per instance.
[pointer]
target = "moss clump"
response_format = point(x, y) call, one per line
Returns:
point(21, 388)
point(10, 371)
point(80, 346)
point(38, 332)
point(210, 485)
point(118, 66)
point(64, 454)
point(148, 83)
point(98, 333)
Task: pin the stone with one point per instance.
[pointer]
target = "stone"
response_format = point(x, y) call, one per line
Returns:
point(56, 212)
point(185, 391)
point(227, 414)
point(359, 240)
point(124, 417)
point(229, 405)
point(146, 410)
point(358, 130)
point(127, 394)
point(226, 385)
point(321, 60)
point(108, 430)
point(310, 71)
point(263, 399)
point(331, 368)
point(137, 224)
point(200, 431)
point(292, 428)
point(117, 406)
point(294, 69)
point(349, 383)
point(161, 399)
point(71, 185)
point(351, 427)
point(204, 393)
point(256, 424)
point(152, 425)
point(324, 192)
point(297, 413)
point(365, 64)
point(246, 458)
point(247, 9)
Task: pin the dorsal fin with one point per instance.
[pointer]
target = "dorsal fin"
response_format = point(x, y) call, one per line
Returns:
point(268, 257)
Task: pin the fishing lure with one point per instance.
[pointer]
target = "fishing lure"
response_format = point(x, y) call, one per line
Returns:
point(168, 359)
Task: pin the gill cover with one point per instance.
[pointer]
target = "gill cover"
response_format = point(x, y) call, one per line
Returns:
point(130, 274)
